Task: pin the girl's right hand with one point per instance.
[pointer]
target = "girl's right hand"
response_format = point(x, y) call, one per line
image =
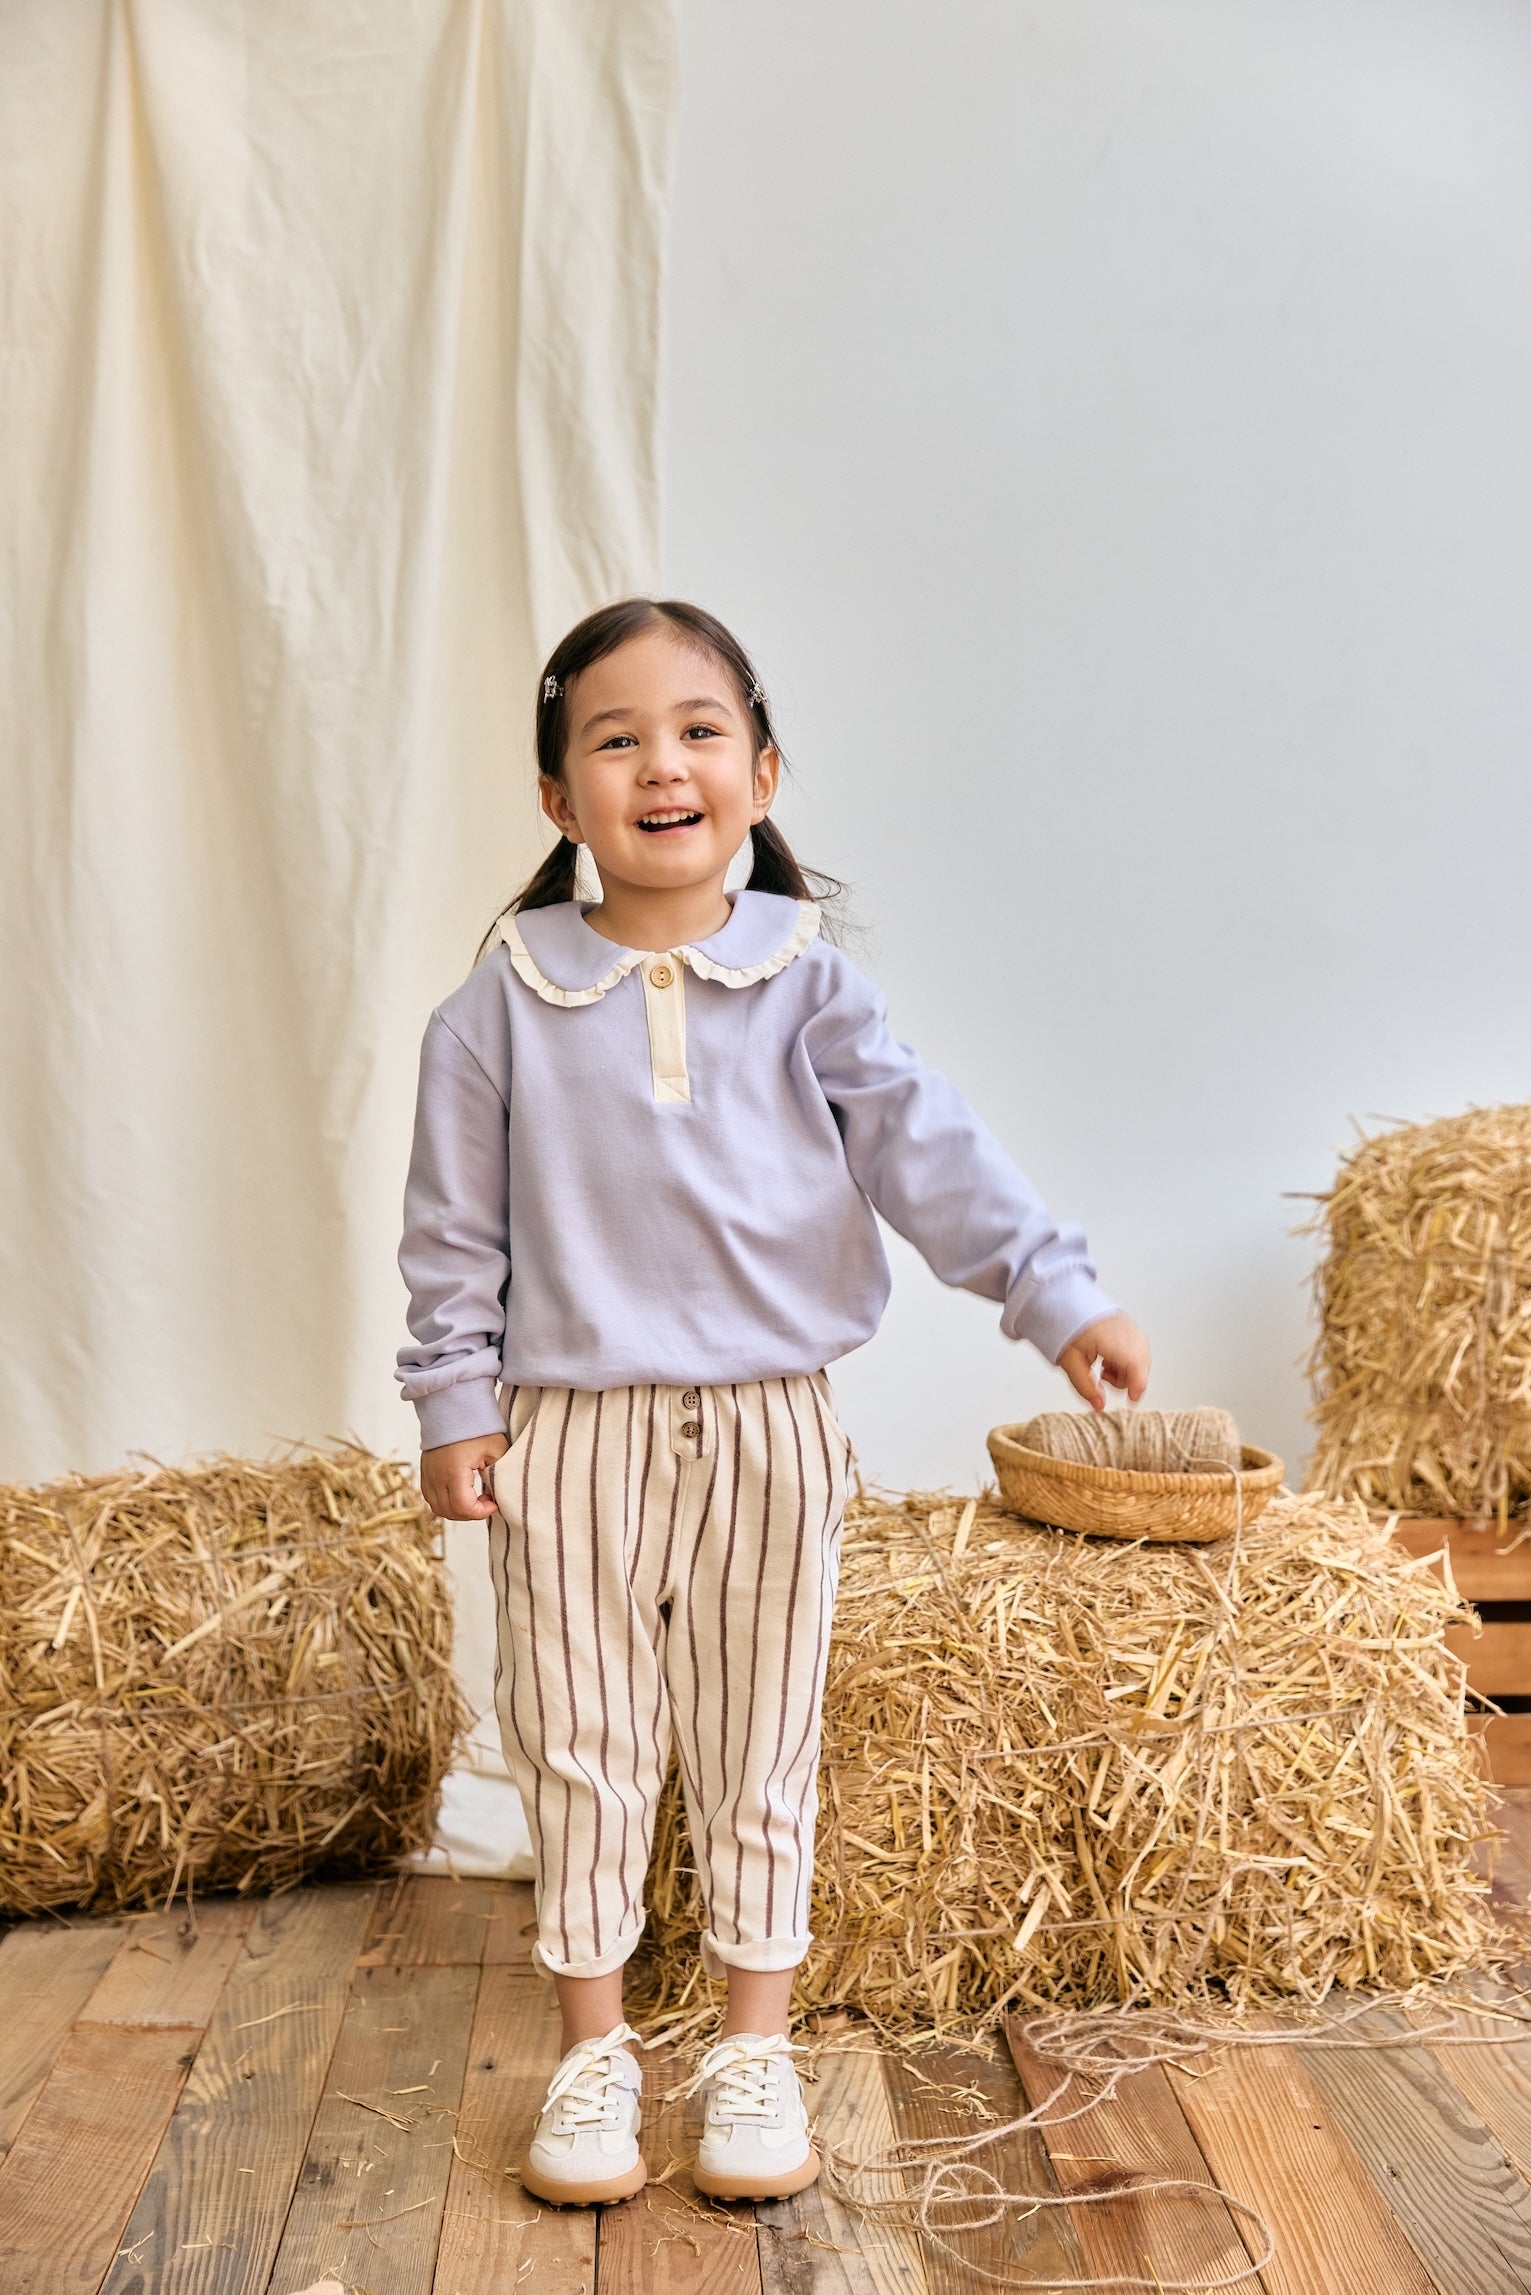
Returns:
point(446, 1477)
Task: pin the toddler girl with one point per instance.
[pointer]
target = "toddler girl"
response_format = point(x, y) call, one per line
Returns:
point(652, 1133)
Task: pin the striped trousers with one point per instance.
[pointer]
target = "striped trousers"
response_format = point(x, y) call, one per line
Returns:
point(665, 1561)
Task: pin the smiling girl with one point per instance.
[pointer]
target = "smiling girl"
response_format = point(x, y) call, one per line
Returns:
point(652, 1139)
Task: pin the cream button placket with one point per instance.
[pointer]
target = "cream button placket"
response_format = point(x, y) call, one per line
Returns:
point(664, 1001)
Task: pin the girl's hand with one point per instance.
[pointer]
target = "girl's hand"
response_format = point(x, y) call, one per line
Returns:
point(446, 1477)
point(1116, 1343)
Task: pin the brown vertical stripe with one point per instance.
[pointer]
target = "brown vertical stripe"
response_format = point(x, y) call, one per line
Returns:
point(531, 1633)
point(786, 1669)
point(665, 1592)
point(629, 1560)
point(698, 1540)
point(829, 1530)
point(598, 1639)
point(716, 1803)
point(749, 1717)
point(497, 1522)
point(573, 1698)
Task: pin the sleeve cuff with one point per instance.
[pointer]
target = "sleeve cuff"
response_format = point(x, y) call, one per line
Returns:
point(458, 1413)
point(1051, 1315)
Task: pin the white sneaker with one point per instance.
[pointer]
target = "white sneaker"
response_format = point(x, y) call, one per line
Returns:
point(585, 2149)
point(755, 2141)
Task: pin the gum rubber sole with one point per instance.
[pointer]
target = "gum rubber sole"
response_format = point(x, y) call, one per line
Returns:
point(602, 2191)
point(759, 2186)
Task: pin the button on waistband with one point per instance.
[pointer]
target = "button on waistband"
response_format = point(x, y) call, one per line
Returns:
point(691, 1430)
point(691, 1400)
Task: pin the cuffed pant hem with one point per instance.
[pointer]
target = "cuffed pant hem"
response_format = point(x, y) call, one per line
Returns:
point(771, 1954)
point(621, 1951)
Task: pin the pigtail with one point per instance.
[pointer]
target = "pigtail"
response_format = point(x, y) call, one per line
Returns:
point(552, 883)
point(776, 868)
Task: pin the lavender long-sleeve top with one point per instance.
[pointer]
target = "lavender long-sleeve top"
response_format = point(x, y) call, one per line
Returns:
point(632, 1167)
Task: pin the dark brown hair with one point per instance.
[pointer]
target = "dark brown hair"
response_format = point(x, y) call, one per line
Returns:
point(775, 869)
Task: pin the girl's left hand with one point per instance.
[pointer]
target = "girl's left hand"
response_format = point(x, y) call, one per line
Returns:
point(1116, 1343)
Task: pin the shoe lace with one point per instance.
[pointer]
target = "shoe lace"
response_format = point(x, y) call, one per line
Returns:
point(746, 2076)
point(579, 2093)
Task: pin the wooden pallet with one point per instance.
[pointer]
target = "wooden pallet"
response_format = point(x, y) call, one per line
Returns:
point(1494, 1574)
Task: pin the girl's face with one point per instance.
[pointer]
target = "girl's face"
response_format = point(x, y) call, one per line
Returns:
point(661, 779)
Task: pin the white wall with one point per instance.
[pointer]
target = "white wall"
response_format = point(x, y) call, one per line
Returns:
point(1108, 423)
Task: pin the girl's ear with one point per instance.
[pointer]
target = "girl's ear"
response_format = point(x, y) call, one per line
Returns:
point(767, 777)
point(555, 803)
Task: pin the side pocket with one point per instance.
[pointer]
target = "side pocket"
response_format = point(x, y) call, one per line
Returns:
point(819, 1381)
point(527, 1401)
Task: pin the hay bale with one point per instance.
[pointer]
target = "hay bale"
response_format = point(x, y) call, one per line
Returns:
point(1423, 1363)
point(223, 1678)
point(1061, 1772)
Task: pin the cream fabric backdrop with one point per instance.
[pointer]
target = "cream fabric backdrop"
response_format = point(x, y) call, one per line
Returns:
point(329, 400)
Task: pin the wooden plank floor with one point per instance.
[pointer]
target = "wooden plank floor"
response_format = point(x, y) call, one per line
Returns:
point(335, 2085)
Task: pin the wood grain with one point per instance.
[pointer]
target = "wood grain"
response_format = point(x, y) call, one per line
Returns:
point(1271, 2140)
point(1463, 2205)
point(428, 1921)
point(512, 1929)
point(1140, 2131)
point(401, 2056)
point(170, 1970)
point(210, 2215)
point(491, 2229)
point(1512, 1850)
point(1507, 1742)
point(1498, 1655)
point(851, 2111)
point(669, 2235)
point(1485, 1570)
point(47, 1974)
point(69, 2181)
point(1041, 2246)
point(1495, 2083)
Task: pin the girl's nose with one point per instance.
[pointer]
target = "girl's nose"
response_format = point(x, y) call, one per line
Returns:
point(666, 765)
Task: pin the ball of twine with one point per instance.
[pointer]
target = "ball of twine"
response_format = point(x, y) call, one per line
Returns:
point(1141, 1441)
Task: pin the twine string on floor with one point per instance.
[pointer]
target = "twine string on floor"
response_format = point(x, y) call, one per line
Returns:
point(947, 2190)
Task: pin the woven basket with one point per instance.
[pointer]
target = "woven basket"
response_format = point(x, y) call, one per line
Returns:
point(1109, 1502)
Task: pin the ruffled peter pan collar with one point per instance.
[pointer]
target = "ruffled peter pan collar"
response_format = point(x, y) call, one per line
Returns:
point(567, 962)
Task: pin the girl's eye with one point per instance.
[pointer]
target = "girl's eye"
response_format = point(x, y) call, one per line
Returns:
point(620, 741)
point(707, 732)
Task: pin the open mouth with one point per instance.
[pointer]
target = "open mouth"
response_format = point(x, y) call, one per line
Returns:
point(659, 824)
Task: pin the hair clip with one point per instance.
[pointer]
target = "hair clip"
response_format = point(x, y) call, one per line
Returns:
point(551, 687)
point(757, 693)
